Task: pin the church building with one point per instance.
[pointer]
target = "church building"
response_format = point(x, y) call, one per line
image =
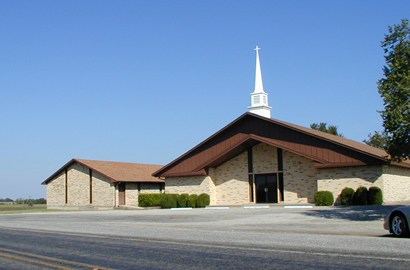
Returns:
point(254, 159)
point(96, 184)
point(259, 159)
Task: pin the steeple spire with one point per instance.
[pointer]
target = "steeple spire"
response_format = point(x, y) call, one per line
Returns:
point(258, 74)
point(259, 98)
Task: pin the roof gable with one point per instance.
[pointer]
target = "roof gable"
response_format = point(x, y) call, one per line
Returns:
point(249, 129)
point(115, 171)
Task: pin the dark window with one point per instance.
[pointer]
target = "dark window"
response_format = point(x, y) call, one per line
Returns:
point(66, 186)
point(91, 186)
point(281, 189)
point(121, 191)
point(250, 171)
point(250, 161)
point(280, 160)
point(251, 187)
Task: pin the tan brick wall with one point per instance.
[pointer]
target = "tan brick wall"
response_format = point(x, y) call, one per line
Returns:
point(131, 194)
point(396, 182)
point(56, 192)
point(78, 185)
point(78, 190)
point(228, 183)
point(299, 179)
point(103, 191)
point(336, 179)
point(265, 159)
point(191, 185)
point(231, 182)
point(150, 188)
point(212, 186)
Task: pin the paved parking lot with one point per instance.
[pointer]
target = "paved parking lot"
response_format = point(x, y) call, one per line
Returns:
point(355, 220)
point(330, 229)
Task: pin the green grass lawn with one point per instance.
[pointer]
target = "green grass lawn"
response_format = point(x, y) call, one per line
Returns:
point(21, 208)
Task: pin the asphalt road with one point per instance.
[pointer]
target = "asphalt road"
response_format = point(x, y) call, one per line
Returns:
point(319, 238)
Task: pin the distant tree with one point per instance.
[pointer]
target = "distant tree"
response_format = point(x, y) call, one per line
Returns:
point(40, 201)
point(394, 88)
point(6, 200)
point(378, 140)
point(31, 201)
point(326, 128)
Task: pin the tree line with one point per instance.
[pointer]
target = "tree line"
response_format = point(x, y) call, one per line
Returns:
point(24, 201)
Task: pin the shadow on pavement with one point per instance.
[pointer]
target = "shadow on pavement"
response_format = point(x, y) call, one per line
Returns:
point(353, 213)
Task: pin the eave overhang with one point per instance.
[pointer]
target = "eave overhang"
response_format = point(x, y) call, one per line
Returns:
point(344, 152)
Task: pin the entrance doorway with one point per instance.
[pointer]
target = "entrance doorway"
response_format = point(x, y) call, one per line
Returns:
point(266, 188)
point(121, 193)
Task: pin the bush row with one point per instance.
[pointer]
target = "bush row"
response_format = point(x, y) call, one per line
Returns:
point(362, 196)
point(165, 200)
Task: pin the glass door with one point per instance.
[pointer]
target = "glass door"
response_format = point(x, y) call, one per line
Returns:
point(266, 188)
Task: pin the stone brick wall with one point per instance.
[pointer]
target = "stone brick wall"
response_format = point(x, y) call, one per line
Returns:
point(56, 192)
point(231, 181)
point(78, 190)
point(299, 179)
point(78, 185)
point(103, 191)
point(396, 182)
point(336, 179)
point(190, 185)
point(150, 188)
point(265, 159)
point(131, 194)
point(212, 186)
point(227, 184)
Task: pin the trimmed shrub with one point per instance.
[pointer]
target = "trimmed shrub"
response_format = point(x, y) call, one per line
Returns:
point(192, 200)
point(149, 200)
point(324, 198)
point(183, 200)
point(169, 201)
point(375, 196)
point(203, 200)
point(346, 197)
point(360, 196)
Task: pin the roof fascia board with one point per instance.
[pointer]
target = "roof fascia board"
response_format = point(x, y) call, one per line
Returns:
point(140, 181)
point(259, 139)
point(277, 122)
point(197, 173)
point(400, 164)
point(279, 145)
point(68, 164)
point(339, 165)
point(166, 167)
point(213, 159)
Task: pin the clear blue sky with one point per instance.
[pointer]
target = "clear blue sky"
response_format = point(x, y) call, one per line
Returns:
point(145, 81)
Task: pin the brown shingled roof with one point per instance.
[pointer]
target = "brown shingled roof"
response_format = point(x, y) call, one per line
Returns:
point(325, 149)
point(116, 171)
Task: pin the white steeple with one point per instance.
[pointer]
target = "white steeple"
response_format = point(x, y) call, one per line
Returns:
point(259, 98)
